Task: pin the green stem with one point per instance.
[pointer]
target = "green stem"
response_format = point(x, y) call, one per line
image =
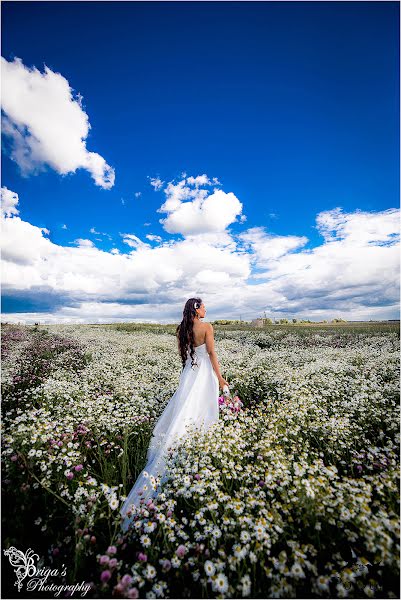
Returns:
point(42, 484)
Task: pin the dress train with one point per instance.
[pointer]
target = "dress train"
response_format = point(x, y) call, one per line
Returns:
point(194, 402)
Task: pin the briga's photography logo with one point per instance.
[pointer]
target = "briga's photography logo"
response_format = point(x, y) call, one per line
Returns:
point(27, 571)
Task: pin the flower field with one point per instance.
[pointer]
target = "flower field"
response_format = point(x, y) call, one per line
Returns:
point(293, 494)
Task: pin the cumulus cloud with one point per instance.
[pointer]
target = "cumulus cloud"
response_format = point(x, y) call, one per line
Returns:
point(34, 264)
point(83, 243)
point(47, 125)
point(9, 201)
point(156, 182)
point(133, 241)
point(193, 210)
point(355, 270)
point(154, 238)
point(266, 247)
point(244, 274)
point(361, 227)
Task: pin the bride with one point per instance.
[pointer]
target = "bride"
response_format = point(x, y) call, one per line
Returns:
point(194, 402)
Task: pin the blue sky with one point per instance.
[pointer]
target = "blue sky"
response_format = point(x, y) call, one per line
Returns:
point(287, 111)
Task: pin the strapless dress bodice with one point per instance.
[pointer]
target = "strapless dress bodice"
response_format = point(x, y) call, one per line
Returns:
point(199, 349)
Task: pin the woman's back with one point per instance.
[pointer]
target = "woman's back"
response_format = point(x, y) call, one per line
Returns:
point(199, 330)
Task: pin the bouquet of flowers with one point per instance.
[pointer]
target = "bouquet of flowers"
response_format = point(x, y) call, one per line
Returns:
point(228, 402)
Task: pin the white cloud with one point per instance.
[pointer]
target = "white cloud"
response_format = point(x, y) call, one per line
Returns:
point(134, 241)
point(46, 124)
point(266, 246)
point(360, 227)
point(93, 230)
point(156, 182)
point(82, 243)
point(9, 201)
point(203, 213)
point(202, 180)
point(33, 263)
point(347, 272)
point(137, 194)
point(212, 277)
point(154, 238)
point(339, 277)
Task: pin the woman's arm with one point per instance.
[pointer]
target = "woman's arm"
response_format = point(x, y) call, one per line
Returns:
point(213, 355)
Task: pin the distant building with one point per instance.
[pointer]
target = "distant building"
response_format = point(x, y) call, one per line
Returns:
point(257, 322)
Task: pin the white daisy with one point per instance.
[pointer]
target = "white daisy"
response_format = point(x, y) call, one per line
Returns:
point(113, 503)
point(210, 569)
point(145, 541)
point(150, 572)
point(220, 583)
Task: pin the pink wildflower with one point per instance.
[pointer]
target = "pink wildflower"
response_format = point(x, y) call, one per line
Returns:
point(105, 576)
point(126, 580)
point(180, 552)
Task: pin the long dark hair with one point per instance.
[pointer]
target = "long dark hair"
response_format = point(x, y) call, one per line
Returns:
point(185, 330)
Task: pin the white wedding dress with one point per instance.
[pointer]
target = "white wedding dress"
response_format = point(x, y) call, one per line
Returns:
point(194, 402)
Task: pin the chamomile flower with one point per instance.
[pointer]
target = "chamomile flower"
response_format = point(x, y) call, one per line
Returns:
point(113, 502)
point(210, 569)
point(149, 572)
point(145, 541)
point(220, 583)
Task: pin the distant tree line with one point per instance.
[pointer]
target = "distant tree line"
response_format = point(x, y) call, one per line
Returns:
point(268, 321)
point(228, 322)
